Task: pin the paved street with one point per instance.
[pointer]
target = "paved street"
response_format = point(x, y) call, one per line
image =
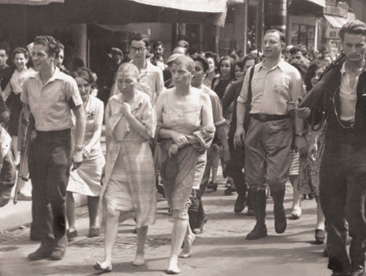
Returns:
point(221, 250)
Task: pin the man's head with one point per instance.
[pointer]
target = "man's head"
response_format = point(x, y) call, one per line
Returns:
point(298, 55)
point(248, 61)
point(138, 47)
point(45, 51)
point(4, 53)
point(117, 55)
point(274, 42)
point(61, 55)
point(353, 39)
point(158, 49)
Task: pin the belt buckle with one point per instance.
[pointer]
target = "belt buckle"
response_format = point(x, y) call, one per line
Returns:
point(262, 117)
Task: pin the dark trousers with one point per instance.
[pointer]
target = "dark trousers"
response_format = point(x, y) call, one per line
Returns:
point(49, 168)
point(343, 197)
point(234, 168)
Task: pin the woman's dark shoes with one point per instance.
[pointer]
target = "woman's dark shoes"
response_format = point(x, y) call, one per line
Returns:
point(71, 235)
point(93, 232)
point(99, 266)
point(319, 236)
point(212, 185)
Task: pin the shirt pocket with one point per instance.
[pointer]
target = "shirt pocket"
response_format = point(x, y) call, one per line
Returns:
point(281, 88)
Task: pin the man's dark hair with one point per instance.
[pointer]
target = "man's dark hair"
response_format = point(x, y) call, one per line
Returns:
point(298, 48)
point(139, 37)
point(248, 57)
point(355, 27)
point(51, 43)
point(5, 46)
point(310, 73)
point(157, 44)
point(281, 34)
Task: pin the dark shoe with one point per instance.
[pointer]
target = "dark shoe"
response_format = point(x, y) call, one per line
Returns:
point(211, 185)
point(279, 211)
point(311, 196)
point(239, 204)
point(259, 231)
point(319, 236)
point(57, 255)
point(93, 232)
point(357, 271)
point(71, 235)
point(5, 191)
point(43, 252)
point(98, 266)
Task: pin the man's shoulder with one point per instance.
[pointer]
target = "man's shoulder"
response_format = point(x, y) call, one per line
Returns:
point(205, 89)
point(287, 67)
point(151, 68)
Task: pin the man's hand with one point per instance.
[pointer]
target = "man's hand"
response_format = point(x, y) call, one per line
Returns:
point(302, 112)
point(301, 145)
point(77, 158)
point(239, 136)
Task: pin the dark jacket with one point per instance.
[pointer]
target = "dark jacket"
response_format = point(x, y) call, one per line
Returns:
point(354, 137)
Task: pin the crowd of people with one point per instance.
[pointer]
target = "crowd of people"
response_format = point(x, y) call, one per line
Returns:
point(168, 127)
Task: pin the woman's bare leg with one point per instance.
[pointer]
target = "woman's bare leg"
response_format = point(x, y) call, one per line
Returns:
point(70, 210)
point(140, 251)
point(180, 227)
point(188, 242)
point(93, 211)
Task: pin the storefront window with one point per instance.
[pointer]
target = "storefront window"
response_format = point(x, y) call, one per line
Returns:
point(303, 34)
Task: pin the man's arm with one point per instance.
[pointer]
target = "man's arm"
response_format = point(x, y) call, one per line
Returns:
point(79, 113)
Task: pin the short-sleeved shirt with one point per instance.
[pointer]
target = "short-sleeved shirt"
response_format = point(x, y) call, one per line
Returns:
point(217, 113)
point(272, 88)
point(50, 103)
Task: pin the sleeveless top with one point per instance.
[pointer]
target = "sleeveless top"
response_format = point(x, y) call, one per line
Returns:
point(182, 121)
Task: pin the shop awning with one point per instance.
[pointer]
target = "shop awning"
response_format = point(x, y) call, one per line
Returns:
point(210, 6)
point(30, 2)
point(336, 21)
point(318, 2)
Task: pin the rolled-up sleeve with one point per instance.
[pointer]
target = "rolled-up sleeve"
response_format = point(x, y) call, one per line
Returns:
point(72, 92)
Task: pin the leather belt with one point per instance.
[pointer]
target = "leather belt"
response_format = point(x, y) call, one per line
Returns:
point(266, 117)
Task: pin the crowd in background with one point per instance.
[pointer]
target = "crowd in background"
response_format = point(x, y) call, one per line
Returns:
point(169, 124)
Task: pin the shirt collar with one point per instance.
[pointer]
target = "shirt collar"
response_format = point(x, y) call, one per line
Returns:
point(343, 68)
point(281, 65)
point(57, 75)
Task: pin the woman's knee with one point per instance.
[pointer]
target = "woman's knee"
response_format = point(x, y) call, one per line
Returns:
point(180, 214)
